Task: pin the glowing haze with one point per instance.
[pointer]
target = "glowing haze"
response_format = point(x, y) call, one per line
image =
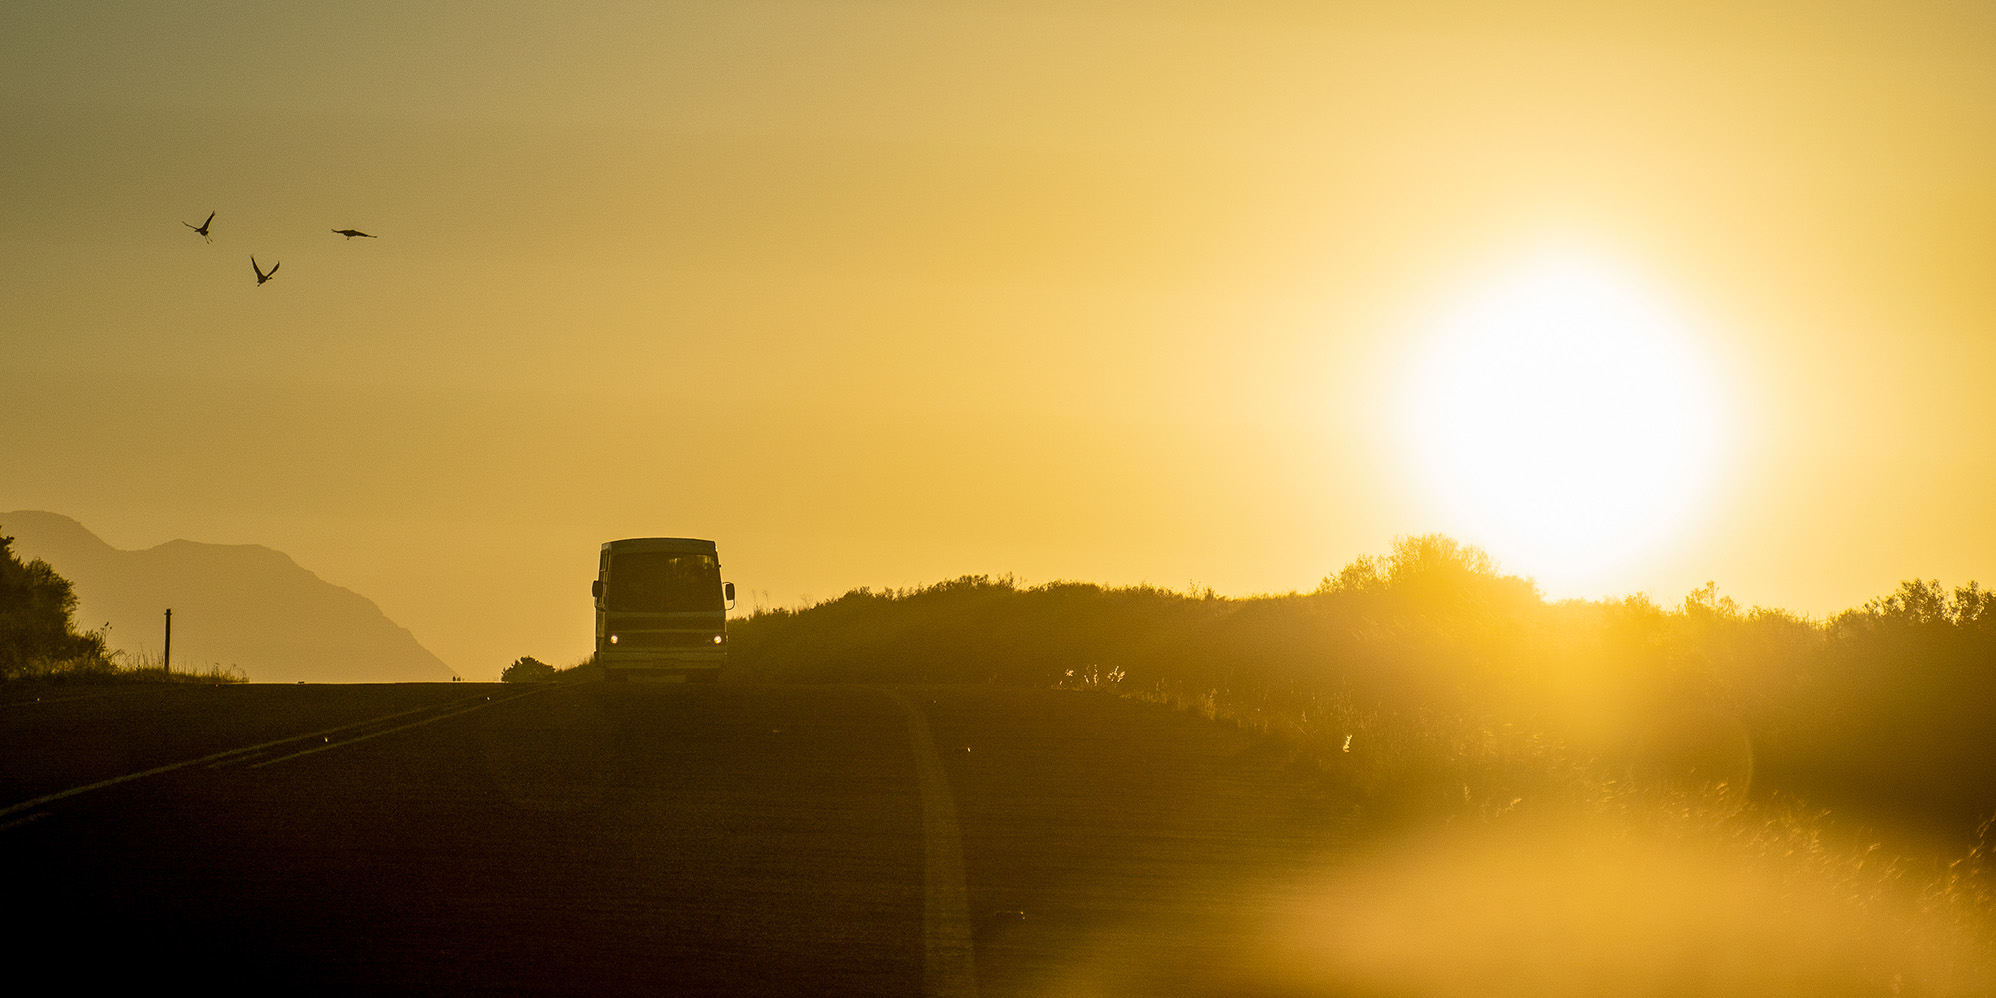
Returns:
point(882, 294)
point(1561, 417)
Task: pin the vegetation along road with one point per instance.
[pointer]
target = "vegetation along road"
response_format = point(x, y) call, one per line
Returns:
point(451, 838)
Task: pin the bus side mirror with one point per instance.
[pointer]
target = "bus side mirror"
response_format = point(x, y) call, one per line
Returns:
point(596, 589)
point(728, 592)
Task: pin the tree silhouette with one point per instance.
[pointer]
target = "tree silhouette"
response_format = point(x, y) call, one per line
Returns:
point(35, 609)
point(528, 669)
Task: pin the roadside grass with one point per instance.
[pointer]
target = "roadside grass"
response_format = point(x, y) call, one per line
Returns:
point(1416, 775)
point(583, 671)
point(115, 668)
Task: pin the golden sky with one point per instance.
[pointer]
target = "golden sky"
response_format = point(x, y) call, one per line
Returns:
point(880, 294)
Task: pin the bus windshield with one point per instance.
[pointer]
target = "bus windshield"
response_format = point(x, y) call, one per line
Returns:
point(663, 582)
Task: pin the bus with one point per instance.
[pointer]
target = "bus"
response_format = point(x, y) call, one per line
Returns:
point(661, 609)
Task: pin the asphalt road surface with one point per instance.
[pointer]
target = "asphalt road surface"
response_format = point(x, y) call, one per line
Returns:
point(654, 839)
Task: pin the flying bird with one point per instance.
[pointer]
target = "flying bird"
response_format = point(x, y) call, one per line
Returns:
point(202, 229)
point(350, 233)
point(261, 276)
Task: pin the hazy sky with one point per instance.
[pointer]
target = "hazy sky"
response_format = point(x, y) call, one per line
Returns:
point(880, 294)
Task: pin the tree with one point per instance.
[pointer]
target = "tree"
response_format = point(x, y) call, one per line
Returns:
point(35, 608)
point(528, 669)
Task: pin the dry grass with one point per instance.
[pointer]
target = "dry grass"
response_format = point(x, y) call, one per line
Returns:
point(1554, 871)
point(118, 667)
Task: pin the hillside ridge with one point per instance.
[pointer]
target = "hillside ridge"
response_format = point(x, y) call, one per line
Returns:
point(246, 606)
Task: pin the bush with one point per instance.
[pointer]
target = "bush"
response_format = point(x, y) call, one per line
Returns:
point(528, 669)
point(36, 633)
point(1884, 707)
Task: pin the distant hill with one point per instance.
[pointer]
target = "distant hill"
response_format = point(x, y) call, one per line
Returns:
point(240, 605)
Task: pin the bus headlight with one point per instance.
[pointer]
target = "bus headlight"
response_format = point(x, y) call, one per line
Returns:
point(613, 639)
point(719, 638)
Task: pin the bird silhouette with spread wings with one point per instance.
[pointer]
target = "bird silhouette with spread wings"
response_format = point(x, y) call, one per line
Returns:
point(202, 229)
point(350, 233)
point(261, 274)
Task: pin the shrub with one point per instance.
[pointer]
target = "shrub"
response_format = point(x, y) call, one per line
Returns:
point(35, 626)
point(1885, 706)
point(528, 669)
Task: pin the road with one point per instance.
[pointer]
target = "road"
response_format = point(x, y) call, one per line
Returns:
point(657, 839)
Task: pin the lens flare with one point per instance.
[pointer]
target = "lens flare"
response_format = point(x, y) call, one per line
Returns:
point(1561, 420)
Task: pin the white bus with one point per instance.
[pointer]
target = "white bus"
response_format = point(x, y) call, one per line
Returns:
point(661, 609)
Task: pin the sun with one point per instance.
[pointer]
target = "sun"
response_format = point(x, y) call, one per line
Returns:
point(1561, 419)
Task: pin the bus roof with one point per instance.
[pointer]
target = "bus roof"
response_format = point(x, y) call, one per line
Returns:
point(688, 544)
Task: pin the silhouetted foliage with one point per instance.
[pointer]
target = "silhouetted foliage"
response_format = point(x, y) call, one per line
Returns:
point(1884, 706)
point(1897, 708)
point(527, 669)
point(36, 633)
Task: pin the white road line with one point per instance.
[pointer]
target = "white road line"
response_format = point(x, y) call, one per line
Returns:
point(80, 696)
point(28, 805)
point(949, 960)
point(400, 727)
point(18, 822)
point(236, 761)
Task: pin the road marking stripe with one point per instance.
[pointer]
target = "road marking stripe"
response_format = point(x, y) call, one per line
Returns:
point(7, 826)
point(80, 696)
point(400, 727)
point(28, 805)
point(949, 961)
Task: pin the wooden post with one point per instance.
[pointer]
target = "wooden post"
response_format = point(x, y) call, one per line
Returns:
point(166, 659)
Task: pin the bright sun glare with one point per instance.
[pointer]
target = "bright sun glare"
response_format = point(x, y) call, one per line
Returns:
point(1562, 420)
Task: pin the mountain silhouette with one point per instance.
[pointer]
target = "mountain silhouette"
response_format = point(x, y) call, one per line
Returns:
point(240, 605)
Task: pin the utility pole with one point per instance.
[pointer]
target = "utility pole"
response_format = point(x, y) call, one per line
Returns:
point(166, 659)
